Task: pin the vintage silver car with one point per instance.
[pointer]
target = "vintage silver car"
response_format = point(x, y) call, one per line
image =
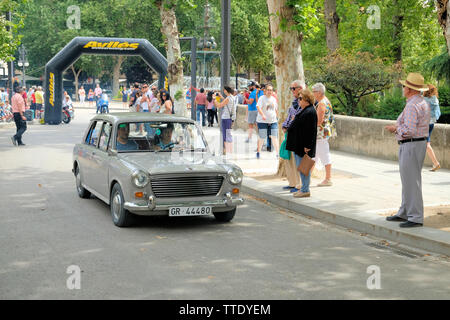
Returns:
point(154, 164)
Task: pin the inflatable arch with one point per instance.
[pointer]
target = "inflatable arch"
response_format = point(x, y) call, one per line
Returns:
point(55, 68)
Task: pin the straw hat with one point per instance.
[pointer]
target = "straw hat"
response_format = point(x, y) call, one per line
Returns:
point(415, 81)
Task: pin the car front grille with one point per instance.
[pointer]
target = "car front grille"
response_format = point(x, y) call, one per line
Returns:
point(178, 187)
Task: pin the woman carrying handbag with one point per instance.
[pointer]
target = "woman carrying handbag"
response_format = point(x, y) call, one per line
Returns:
point(301, 140)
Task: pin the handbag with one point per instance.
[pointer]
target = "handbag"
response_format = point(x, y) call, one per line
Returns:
point(306, 165)
point(284, 154)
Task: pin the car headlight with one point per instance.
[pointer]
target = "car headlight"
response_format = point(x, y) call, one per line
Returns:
point(235, 175)
point(140, 179)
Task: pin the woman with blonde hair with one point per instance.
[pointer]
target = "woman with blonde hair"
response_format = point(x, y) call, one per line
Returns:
point(325, 130)
point(431, 97)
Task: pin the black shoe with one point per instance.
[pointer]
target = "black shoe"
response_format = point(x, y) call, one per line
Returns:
point(21, 144)
point(395, 218)
point(410, 224)
point(13, 139)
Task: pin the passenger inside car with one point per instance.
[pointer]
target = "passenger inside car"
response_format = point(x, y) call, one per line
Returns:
point(123, 143)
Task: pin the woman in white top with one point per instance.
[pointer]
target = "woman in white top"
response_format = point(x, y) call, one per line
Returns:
point(267, 119)
point(228, 115)
point(82, 94)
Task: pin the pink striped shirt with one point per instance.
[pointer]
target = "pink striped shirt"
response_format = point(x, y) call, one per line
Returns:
point(414, 121)
point(17, 103)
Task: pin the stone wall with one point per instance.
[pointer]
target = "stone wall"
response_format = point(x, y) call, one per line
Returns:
point(365, 136)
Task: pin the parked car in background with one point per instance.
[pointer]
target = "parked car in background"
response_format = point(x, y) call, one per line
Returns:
point(154, 164)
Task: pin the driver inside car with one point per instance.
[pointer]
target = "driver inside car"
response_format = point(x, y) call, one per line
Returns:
point(165, 138)
point(123, 143)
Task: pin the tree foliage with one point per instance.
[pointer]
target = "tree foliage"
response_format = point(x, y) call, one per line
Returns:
point(352, 77)
point(9, 30)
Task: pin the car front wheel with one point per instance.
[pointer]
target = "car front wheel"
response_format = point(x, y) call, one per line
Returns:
point(225, 216)
point(121, 217)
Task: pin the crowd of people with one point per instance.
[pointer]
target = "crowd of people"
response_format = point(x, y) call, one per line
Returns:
point(33, 100)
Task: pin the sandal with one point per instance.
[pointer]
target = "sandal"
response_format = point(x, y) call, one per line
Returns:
point(325, 183)
point(435, 168)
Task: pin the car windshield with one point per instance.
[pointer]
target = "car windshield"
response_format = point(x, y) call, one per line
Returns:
point(159, 136)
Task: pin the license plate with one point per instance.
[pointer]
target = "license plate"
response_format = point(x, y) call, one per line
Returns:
point(189, 211)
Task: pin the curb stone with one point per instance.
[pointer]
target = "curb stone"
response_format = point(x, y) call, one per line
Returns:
point(425, 238)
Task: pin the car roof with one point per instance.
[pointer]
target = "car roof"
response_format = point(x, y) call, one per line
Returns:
point(117, 117)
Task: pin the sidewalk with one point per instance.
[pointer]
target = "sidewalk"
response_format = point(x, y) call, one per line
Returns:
point(365, 190)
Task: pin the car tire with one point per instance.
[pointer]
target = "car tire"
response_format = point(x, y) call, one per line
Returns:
point(82, 192)
point(225, 216)
point(120, 216)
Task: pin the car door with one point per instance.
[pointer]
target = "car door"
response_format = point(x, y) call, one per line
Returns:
point(85, 154)
point(100, 162)
point(91, 149)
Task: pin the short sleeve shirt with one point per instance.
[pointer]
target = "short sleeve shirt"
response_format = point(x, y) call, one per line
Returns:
point(269, 107)
point(200, 99)
point(252, 107)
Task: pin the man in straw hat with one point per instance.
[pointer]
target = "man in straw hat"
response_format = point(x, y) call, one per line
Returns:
point(411, 132)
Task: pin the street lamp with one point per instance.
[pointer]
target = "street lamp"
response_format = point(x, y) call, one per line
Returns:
point(23, 62)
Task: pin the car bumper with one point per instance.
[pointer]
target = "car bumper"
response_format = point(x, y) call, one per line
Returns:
point(152, 206)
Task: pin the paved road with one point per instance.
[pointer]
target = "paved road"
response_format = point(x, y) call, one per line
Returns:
point(264, 253)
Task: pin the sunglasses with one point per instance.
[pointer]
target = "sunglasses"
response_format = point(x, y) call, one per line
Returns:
point(293, 88)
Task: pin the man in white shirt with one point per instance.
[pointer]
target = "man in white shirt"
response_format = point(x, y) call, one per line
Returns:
point(146, 98)
point(267, 116)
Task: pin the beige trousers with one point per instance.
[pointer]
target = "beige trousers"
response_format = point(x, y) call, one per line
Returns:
point(291, 172)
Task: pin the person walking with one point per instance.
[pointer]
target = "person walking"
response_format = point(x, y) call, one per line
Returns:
point(302, 137)
point(228, 115)
point(200, 106)
point(431, 97)
point(267, 119)
point(291, 170)
point(39, 101)
point(124, 97)
point(411, 132)
point(97, 93)
point(252, 111)
point(18, 109)
point(90, 97)
point(210, 108)
point(82, 95)
point(325, 131)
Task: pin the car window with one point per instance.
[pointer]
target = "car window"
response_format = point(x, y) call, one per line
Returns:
point(159, 136)
point(93, 137)
point(89, 135)
point(105, 136)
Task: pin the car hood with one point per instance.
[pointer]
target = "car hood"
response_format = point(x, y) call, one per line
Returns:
point(167, 163)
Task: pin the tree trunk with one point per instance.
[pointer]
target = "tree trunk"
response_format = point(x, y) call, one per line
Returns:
point(287, 54)
point(76, 75)
point(397, 35)
point(443, 7)
point(169, 30)
point(331, 25)
point(116, 75)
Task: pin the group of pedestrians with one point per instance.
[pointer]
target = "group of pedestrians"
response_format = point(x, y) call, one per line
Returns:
point(145, 99)
point(6, 114)
point(204, 106)
point(308, 127)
